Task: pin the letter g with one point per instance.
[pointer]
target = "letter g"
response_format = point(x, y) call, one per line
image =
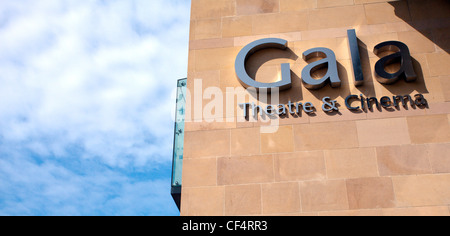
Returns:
point(249, 50)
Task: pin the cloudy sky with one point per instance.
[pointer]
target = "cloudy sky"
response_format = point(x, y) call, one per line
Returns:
point(86, 103)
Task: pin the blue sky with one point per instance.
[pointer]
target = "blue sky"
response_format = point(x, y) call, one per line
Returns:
point(86, 105)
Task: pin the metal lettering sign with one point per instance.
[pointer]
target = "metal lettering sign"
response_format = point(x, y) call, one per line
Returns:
point(400, 54)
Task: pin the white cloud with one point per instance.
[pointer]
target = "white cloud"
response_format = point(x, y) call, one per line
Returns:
point(84, 70)
point(89, 80)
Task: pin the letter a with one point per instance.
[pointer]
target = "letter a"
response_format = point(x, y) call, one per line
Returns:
point(328, 61)
point(401, 54)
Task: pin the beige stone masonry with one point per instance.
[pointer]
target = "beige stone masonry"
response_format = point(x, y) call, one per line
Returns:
point(381, 162)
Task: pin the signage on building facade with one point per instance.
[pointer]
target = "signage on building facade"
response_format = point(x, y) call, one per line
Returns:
point(327, 59)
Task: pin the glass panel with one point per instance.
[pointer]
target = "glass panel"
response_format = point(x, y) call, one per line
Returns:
point(179, 133)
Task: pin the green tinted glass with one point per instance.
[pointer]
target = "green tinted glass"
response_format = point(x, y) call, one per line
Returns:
point(179, 133)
